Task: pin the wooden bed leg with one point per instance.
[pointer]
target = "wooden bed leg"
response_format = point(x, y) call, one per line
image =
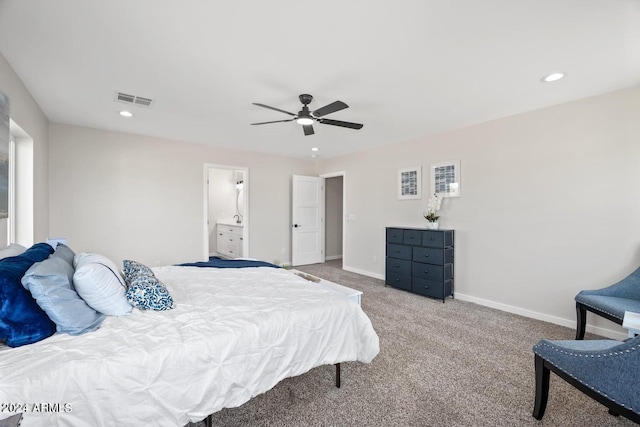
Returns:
point(542, 388)
point(338, 375)
point(581, 324)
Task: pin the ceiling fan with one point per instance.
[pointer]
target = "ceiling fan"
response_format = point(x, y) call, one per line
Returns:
point(306, 118)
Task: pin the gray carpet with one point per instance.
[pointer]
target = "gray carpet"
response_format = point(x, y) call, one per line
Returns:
point(452, 364)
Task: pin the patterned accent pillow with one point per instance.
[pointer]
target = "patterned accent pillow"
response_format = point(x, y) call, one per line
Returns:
point(132, 269)
point(148, 293)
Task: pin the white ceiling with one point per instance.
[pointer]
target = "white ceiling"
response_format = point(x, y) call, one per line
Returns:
point(407, 68)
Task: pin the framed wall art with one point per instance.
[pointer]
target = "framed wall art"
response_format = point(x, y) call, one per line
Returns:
point(410, 183)
point(445, 178)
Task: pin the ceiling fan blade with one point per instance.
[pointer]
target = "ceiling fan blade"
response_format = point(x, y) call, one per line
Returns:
point(340, 123)
point(273, 108)
point(331, 108)
point(276, 121)
point(308, 130)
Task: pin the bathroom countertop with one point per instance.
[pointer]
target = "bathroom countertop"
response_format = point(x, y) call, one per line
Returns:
point(231, 222)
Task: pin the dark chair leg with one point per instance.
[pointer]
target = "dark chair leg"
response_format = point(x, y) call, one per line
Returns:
point(581, 315)
point(542, 388)
point(338, 375)
point(614, 413)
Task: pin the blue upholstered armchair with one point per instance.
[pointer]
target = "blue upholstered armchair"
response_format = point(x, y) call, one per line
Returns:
point(610, 302)
point(605, 370)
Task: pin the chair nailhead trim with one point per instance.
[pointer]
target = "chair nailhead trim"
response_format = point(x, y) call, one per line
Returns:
point(599, 309)
point(612, 354)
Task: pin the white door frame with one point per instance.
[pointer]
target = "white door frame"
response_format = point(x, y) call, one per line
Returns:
point(343, 174)
point(245, 196)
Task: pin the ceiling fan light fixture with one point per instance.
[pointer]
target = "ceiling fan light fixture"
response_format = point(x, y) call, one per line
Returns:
point(305, 121)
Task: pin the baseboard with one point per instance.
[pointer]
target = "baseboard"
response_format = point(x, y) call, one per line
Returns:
point(540, 316)
point(363, 272)
point(332, 257)
point(569, 323)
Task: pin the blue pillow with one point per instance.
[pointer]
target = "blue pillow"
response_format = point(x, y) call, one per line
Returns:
point(63, 251)
point(22, 321)
point(50, 282)
point(148, 293)
point(132, 269)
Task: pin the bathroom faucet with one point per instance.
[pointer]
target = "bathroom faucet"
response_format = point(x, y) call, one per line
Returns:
point(237, 217)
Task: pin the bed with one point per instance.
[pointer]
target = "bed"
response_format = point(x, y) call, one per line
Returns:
point(232, 334)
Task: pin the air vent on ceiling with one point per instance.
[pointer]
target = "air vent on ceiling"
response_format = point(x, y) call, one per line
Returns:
point(133, 99)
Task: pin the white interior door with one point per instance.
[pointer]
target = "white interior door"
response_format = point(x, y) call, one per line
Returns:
point(307, 214)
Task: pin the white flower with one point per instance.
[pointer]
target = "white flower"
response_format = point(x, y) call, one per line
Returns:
point(433, 206)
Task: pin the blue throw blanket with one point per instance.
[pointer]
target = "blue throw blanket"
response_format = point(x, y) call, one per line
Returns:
point(217, 262)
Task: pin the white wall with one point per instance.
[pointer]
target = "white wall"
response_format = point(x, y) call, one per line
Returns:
point(550, 204)
point(130, 196)
point(27, 114)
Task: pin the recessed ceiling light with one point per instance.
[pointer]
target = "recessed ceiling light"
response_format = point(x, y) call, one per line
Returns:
point(314, 149)
point(553, 77)
point(126, 113)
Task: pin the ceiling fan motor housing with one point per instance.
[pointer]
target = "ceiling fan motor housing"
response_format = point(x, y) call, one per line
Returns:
point(304, 112)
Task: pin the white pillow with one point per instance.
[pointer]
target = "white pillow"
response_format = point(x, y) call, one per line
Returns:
point(13, 249)
point(99, 283)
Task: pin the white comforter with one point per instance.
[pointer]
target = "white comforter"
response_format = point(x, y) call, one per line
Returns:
point(234, 333)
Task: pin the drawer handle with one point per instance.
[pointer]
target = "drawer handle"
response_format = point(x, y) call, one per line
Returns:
point(426, 286)
point(432, 238)
point(426, 272)
point(397, 265)
point(398, 251)
point(426, 256)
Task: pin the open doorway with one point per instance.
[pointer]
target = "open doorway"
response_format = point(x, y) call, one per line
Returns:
point(226, 211)
point(334, 218)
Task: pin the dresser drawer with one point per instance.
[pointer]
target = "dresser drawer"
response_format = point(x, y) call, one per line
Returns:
point(394, 235)
point(433, 272)
point(399, 251)
point(236, 231)
point(433, 255)
point(234, 249)
point(396, 265)
point(412, 237)
point(433, 239)
point(398, 280)
point(432, 289)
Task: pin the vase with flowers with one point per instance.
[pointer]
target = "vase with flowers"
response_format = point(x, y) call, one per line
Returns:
point(431, 214)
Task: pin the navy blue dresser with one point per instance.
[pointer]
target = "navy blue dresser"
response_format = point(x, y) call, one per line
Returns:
point(420, 261)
